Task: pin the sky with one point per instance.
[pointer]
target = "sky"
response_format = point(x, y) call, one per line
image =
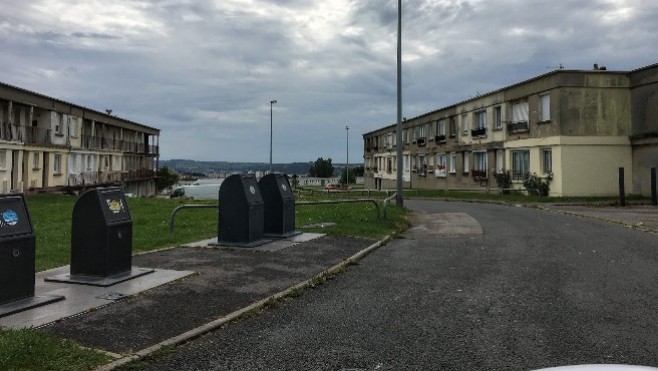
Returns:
point(204, 72)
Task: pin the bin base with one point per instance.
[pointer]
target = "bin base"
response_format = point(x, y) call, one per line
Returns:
point(27, 303)
point(239, 244)
point(82, 279)
point(283, 235)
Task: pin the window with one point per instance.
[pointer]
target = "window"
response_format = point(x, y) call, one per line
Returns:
point(519, 118)
point(453, 126)
point(498, 117)
point(480, 119)
point(421, 165)
point(57, 164)
point(107, 161)
point(453, 162)
point(520, 164)
point(440, 165)
point(441, 131)
point(465, 124)
point(465, 161)
point(62, 119)
point(36, 160)
point(500, 160)
point(520, 112)
point(421, 131)
point(480, 164)
point(480, 124)
point(3, 159)
point(547, 161)
point(544, 108)
point(73, 126)
point(420, 139)
point(89, 162)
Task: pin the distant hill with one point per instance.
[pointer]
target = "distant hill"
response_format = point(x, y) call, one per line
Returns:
point(207, 167)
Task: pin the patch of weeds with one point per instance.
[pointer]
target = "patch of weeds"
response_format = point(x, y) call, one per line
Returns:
point(149, 360)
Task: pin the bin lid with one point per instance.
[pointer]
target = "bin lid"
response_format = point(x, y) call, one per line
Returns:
point(14, 219)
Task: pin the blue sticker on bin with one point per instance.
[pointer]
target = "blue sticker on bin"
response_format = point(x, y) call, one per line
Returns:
point(9, 217)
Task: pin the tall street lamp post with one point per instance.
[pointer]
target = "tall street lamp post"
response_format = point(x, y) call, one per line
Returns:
point(347, 168)
point(399, 200)
point(271, 104)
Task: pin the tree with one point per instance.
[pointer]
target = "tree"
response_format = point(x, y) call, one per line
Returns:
point(343, 176)
point(358, 171)
point(321, 168)
point(166, 178)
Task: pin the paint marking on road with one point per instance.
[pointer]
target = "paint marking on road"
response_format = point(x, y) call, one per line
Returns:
point(442, 225)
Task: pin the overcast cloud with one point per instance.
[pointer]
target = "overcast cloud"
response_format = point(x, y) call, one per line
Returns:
point(204, 72)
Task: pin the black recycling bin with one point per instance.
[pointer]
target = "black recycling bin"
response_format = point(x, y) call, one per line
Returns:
point(279, 201)
point(17, 251)
point(241, 212)
point(101, 240)
point(101, 234)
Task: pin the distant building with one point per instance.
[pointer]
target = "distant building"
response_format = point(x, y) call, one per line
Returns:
point(50, 145)
point(579, 125)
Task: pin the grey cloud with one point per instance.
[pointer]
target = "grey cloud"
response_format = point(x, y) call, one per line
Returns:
point(83, 35)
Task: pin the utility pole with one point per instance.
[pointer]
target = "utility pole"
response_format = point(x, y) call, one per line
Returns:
point(399, 200)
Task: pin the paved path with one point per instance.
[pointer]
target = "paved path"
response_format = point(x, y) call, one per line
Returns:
point(507, 289)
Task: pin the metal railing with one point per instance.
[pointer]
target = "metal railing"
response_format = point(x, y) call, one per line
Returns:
point(302, 203)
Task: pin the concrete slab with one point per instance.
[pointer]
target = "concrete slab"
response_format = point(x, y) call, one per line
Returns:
point(443, 225)
point(275, 245)
point(81, 298)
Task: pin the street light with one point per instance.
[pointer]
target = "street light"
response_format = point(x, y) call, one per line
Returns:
point(271, 103)
point(347, 168)
point(399, 200)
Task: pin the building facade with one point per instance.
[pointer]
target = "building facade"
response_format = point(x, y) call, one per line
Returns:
point(579, 126)
point(50, 145)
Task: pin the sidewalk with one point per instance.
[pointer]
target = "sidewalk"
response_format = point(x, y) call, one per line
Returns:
point(640, 217)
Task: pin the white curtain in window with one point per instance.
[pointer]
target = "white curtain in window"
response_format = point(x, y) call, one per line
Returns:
point(440, 165)
point(453, 162)
point(544, 107)
point(480, 161)
point(520, 112)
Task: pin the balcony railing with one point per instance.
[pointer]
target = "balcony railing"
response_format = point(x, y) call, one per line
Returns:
point(479, 174)
point(421, 142)
point(93, 142)
point(518, 174)
point(37, 135)
point(479, 132)
point(517, 127)
point(440, 139)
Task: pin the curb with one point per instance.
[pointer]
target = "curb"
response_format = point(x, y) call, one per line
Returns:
point(601, 219)
point(213, 325)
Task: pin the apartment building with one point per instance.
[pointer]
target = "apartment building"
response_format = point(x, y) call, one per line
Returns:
point(581, 126)
point(50, 145)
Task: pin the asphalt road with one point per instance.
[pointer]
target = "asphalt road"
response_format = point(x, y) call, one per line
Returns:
point(470, 287)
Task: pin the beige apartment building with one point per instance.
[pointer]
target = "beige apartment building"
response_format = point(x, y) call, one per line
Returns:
point(579, 125)
point(49, 145)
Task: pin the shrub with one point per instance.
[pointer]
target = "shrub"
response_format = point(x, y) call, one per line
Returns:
point(536, 185)
point(503, 180)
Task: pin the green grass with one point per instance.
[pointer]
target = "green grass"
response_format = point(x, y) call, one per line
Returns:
point(29, 349)
point(356, 219)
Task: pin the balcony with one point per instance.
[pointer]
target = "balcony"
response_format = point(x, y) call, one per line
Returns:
point(479, 174)
point(440, 139)
point(479, 132)
point(24, 134)
point(517, 127)
point(421, 142)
